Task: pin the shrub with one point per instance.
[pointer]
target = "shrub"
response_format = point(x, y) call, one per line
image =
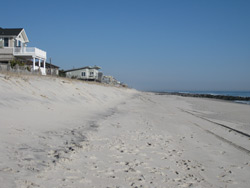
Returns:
point(62, 73)
point(15, 62)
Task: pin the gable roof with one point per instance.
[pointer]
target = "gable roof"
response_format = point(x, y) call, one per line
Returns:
point(10, 32)
point(88, 67)
point(14, 32)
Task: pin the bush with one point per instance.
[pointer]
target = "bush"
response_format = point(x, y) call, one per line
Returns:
point(62, 73)
point(73, 77)
point(15, 62)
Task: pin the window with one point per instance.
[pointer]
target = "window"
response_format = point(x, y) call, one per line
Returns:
point(18, 43)
point(83, 73)
point(91, 73)
point(6, 42)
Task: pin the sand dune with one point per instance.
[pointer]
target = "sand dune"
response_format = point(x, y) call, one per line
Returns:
point(63, 133)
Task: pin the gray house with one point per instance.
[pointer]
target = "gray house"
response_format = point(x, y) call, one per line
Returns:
point(13, 45)
point(84, 73)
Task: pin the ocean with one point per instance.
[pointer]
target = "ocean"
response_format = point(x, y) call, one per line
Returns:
point(225, 93)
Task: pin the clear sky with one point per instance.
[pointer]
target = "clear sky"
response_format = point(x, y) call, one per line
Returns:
point(148, 44)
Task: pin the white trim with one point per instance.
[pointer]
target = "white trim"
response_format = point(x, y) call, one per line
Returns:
point(29, 51)
point(23, 35)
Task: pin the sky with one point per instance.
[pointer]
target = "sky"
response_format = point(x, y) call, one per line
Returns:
point(152, 45)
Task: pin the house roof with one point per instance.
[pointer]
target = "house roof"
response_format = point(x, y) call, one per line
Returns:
point(52, 66)
point(14, 32)
point(10, 32)
point(87, 67)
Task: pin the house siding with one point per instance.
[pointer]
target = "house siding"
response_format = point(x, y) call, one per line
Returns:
point(11, 42)
point(78, 74)
point(6, 54)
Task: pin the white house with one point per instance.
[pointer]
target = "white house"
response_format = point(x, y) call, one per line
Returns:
point(84, 73)
point(13, 45)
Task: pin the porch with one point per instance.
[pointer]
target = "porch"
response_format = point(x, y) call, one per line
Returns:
point(33, 53)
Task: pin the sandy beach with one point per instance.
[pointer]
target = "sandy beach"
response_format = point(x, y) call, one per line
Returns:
point(58, 132)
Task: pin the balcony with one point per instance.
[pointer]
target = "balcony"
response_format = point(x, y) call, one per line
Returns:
point(29, 51)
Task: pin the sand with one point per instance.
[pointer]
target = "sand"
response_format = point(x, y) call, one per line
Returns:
point(64, 133)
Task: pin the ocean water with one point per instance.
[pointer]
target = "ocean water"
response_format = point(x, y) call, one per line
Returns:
point(225, 93)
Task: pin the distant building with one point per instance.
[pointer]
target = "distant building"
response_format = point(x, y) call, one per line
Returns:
point(13, 45)
point(52, 69)
point(110, 80)
point(84, 73)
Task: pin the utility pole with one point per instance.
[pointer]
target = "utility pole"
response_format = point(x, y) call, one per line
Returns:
point(50, 66)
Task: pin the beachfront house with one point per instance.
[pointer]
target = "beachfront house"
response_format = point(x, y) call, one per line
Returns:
point(84, 73)
point(13, 45)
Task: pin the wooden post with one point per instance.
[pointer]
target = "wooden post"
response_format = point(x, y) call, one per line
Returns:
point(50, 66)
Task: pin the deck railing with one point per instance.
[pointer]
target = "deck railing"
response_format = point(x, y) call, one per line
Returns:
point(29, 51)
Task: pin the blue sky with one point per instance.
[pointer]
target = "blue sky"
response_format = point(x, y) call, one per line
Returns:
point(150, 45)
